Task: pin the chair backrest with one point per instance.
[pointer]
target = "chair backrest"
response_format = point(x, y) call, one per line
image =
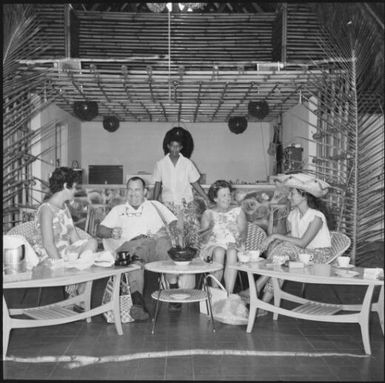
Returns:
point(340, 243)
point(255, 236)
point(27, 230)
point(95, 215)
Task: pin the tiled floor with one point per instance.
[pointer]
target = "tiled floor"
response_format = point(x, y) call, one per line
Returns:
point(277, 347)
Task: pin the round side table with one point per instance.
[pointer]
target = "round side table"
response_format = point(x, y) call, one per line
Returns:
point(197, 266)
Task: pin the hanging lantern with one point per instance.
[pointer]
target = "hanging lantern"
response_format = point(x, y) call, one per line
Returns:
point(110, 123)
point(237, 124)
point(86, 110)
point(259, 109)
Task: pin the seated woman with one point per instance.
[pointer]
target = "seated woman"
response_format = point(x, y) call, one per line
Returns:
point(308, 225)
point(56, 236)
point(222, 229)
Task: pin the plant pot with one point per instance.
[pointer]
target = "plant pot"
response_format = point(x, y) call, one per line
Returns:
point(182, 256)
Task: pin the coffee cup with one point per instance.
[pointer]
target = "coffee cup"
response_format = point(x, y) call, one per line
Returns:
point(243, 257)
point(254, 255)
point(123, 258)
point(343, 261)
point(305, 258)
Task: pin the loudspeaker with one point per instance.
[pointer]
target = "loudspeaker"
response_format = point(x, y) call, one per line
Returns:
point(110, 123)
point(259, 109)
point(237, 124)
point(86, 110)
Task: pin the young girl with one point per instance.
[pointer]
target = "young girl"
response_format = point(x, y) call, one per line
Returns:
point(223, 228)
point(308, 225)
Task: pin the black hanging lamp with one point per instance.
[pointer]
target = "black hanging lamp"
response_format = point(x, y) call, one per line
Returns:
point(237, 124)
point(111, 123)
point(259, 109)
point(86, 110)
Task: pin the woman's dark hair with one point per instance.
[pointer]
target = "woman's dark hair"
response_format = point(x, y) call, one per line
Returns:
point(59, 177)
point(216, 186)
point(319, 204)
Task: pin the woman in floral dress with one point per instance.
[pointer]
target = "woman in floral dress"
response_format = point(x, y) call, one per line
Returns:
point(223, 231)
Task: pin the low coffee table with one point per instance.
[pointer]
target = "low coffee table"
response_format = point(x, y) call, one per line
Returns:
point(197, 266)
point(311, 310)
point(61, 312)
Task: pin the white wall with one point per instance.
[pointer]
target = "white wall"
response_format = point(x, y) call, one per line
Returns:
point(298, 128)
point(217, 152)
point(70, 138)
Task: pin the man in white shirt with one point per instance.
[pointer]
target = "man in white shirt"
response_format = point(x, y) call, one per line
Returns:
point(137, 226)
point(175, 175)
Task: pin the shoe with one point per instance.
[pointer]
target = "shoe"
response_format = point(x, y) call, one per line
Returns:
point(138, 313)
point(173, 307)
point(261, 313)
point(137, 298)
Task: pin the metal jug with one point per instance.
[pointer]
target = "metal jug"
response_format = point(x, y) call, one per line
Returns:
point(14, 260)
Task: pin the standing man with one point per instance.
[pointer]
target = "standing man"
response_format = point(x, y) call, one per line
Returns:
point(136, 226)
point(175, 177)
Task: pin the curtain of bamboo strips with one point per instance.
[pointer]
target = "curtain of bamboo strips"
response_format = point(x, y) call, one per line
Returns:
point(22, 39)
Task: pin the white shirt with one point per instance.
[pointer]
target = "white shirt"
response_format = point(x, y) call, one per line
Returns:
point(300, 224)
point(176, 180)
point(145, 220)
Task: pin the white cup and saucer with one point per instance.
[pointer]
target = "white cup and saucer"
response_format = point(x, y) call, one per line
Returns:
point(344, 262)
point(254, 255)
point(305, 258)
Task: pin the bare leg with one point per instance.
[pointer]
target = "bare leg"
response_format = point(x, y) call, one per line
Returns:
point(230, 274)
point(136, 280)
point(219, 257)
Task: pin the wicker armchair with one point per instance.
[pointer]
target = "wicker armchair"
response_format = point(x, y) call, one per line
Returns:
point(254, 237)
point(340, 243)
point(26, 229)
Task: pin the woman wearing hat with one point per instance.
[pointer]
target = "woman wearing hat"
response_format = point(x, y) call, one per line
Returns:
point(308, 225)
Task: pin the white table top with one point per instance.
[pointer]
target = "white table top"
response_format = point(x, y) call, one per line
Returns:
point(43, 276)
point(195, 267)
point(325, 274)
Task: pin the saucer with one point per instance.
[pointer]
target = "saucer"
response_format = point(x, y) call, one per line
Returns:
point(344, 267)
point(346, 273)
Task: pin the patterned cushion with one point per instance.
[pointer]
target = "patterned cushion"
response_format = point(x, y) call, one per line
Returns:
point(255, 236)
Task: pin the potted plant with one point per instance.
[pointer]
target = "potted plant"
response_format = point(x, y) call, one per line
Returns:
point(183, 234)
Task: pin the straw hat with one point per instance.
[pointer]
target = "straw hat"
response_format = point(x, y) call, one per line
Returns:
point(306, 182)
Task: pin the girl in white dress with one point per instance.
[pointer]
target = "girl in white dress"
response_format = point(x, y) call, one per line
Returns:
point(223, 231)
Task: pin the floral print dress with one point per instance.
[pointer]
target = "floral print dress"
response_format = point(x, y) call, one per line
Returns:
point(224, 232)
point(63, 228)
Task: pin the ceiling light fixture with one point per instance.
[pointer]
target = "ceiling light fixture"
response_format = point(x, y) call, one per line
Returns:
point(160, 7)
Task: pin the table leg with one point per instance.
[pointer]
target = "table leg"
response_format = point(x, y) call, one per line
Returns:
point(364, 319)
point(277, 295)
point(157, 304)
point(378, 307)
point(87, 298)
point(116, 303)
point(208, 300)
point(6, 327)
point(253, 301)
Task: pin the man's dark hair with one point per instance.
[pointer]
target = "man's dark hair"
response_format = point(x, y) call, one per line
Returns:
point(136, 178)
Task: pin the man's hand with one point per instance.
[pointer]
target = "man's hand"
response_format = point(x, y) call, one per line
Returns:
point(116, 233)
